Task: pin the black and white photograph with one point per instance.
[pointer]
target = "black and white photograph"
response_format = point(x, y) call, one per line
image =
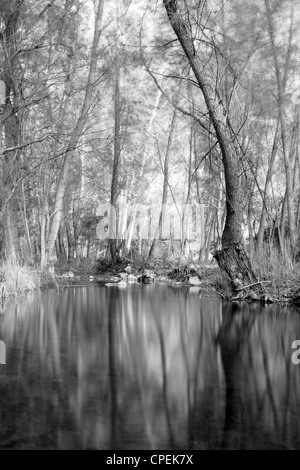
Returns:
point(150, 227)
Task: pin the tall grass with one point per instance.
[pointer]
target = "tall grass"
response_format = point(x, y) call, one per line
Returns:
point(16, 279)
point(277, 267)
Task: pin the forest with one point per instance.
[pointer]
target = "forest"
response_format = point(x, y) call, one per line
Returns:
point(149, 221)
point(162, 132)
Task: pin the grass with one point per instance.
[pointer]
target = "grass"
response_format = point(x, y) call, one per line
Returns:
point(16, 279)
point(284, 274)
point(278, 268)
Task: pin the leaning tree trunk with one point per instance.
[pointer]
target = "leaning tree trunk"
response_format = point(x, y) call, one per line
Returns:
point(232, 339)
point(232, 258)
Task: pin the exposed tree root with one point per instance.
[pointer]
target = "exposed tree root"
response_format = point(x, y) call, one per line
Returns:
point(236, 264)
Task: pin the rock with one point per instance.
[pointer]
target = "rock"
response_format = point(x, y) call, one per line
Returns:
point(145, 279)
point(252, 295)
point(132, 278)
point(124, 276)
point(114, 279)
point(194, 281)
point(110, 284)
point(237, 283)
point(128, 269)
point(149, 273)
point(121, 284)
point(266, 299)
point(68, 274)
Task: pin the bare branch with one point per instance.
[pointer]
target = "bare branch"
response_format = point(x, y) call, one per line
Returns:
point(22, 146)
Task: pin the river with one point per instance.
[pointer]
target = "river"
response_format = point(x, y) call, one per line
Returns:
point(147, 367)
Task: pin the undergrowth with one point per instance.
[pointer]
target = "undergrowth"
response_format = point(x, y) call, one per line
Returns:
point(16, 279)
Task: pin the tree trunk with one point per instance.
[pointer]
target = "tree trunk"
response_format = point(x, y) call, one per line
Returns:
point(10, 229)
point(263, 216)
point(61, 251)
point(10, 125)
point(184, 240)
point(280, 91)
point(115, 173)
point(155, 243)
point(71, 239)
point(69, 222)
point(23, 210)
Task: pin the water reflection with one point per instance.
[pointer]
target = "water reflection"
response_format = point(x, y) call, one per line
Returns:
point(147, 368)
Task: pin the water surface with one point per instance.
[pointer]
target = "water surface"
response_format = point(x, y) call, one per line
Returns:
point(147, 367)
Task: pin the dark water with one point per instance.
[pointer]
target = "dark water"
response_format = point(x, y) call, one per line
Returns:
point(147, 368)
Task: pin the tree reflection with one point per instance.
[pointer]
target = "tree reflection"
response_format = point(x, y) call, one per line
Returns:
point(147, 368)
point(233, 338)
point(112, 369)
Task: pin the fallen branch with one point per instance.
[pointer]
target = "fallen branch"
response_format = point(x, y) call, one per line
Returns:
point(254, 284)
point(220, 293)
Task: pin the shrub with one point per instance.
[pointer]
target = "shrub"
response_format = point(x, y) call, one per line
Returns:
point(16, 279)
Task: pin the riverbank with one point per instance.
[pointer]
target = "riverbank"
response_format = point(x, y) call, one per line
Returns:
point(273, 286)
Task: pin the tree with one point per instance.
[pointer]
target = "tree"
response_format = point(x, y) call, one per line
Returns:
point(155, 243)
point(232, 258)
point(281, 86)
point(117, 152)
point(76, 134)
point(10, 14)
